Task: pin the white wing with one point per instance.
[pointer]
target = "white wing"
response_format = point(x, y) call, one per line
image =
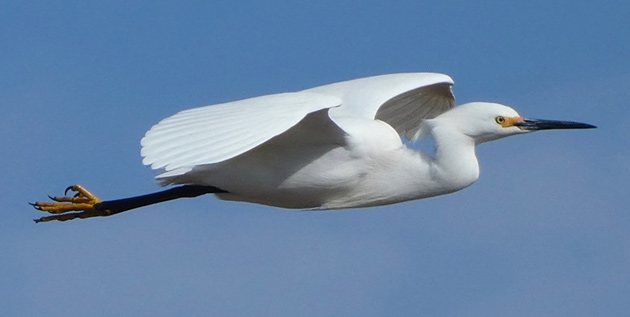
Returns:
point(216, 133)
point(401, 100)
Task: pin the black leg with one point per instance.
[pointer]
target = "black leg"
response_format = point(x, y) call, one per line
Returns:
point(89, 205)
point(186, 191)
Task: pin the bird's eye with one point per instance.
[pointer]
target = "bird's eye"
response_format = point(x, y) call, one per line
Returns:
point(500, 119)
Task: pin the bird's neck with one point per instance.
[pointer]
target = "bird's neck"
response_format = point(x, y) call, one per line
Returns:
point(455, 163)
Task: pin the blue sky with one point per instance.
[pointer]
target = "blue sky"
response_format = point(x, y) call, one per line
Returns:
point(545, 231)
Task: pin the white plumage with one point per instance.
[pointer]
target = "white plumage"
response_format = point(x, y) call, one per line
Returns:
point(333, 146)
point(216, 133)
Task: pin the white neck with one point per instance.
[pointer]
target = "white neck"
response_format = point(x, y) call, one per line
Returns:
point(417, 175)
point(455, 165)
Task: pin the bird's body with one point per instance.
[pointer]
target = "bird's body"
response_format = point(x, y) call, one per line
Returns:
point(365, 166)
point(351, 170)
point(335, 157)
point(329, 147)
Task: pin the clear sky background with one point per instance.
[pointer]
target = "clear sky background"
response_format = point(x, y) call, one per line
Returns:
point(545, 230)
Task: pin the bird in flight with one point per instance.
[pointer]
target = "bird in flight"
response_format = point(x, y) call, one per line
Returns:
point(335, 146)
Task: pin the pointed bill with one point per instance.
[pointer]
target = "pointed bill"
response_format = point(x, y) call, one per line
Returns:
point(538, 124)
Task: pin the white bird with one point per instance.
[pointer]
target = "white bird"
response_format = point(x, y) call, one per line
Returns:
point(330, 147)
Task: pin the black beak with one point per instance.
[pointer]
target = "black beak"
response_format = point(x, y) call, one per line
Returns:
point(537, 124)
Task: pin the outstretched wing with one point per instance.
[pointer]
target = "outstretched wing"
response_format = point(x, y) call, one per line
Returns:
point(401, 100)
point(216, 133)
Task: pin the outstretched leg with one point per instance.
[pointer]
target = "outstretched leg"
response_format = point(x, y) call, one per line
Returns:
point(88, 205)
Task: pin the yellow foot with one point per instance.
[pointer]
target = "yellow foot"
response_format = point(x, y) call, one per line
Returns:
point(83, 201)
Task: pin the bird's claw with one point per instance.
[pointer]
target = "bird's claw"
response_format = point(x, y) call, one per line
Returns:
point(83, 201)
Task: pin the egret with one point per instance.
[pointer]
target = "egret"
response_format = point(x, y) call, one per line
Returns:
point(341, 145)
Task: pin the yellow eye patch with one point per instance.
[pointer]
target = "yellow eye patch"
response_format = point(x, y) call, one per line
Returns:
point(507, 122)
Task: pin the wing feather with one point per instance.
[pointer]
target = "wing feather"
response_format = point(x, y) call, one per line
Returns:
point(406, 112)
point(401, 100)
point(216, 133)
point(212, 134)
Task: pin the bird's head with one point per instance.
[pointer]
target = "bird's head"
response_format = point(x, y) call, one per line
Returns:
point(485, 121)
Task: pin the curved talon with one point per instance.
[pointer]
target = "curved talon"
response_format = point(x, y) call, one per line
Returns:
point(36, 206)
point(63, 208)
point(69, 188)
